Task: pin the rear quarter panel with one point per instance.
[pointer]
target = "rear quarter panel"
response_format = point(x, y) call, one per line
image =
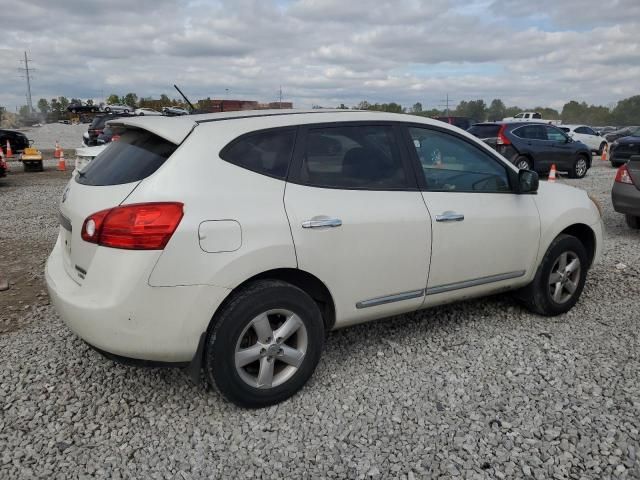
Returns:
point(212, 189)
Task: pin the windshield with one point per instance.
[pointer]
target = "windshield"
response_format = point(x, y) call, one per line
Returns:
point(134, 157)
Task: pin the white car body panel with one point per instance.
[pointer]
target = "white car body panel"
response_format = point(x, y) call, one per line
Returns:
point(85, 155)
point(237, 224)
point(591, 141)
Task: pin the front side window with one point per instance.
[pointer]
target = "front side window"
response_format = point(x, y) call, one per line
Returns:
point(555, 134)
point(361, 157)
point(268, 153)
point(582, 130)
point(451, 164)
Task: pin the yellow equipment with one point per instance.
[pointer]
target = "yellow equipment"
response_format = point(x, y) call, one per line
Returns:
point(31, 159)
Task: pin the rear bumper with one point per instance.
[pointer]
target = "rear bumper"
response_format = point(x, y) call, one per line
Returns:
point(117, 312)
point(626, 199)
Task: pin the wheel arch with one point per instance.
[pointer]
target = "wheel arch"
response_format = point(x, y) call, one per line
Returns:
point(587, 237)
point(305, 281)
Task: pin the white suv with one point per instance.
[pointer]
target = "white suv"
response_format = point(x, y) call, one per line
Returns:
point(232, 242)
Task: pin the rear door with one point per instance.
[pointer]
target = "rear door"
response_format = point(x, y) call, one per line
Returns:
point(484, 236)
point(358, 221)
point(106, 183)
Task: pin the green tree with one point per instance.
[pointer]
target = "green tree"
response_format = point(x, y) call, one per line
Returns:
point(417, 108)
point(43, 106)
point(496, 110)
point(627, 111)
point(113, 99)
point(512, 111)
point(165, 101)
point(76, 101)
point(131, 99)
point(90, 102)
point(574, 112)
point(64, 103)
point(547, 113)
point(475, 109)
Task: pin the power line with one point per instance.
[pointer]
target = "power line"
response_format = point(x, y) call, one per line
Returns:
point(446, 101)
point(27, 72)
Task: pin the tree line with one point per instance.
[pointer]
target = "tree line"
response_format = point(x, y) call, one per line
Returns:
point(626, 111)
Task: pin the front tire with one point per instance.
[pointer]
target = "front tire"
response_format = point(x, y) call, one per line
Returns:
point(560, 278)
point(107, 109)
point(523, 163)
point(580, 167)
point(633, 221)
point(264, 344)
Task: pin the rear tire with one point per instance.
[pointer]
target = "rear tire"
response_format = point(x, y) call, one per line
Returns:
point(107, 109)
point(580, 167)
point(244, 356)
point(523, 163)
point(633, 221)
point(555, 290)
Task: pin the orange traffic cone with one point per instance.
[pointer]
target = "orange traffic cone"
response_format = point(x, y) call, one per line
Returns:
point(2, 162)
point(9, 151)
point(58, 150)
point(605, 152)
point(62, 164)
point(552, 173)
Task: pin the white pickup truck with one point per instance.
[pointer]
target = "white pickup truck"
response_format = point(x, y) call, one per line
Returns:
point(530, 117)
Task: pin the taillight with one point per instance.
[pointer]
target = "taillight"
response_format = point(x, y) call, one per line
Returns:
point(502, 139)
point(623, 176)
point(115, 138)
point(140, 226)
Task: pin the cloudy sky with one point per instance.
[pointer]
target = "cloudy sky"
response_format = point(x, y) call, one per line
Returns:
point(325, 52)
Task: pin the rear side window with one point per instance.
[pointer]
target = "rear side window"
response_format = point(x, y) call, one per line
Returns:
point(361, 157)
point(484, 131)
point(268, 153)
point(134, 157)
point(531, 132)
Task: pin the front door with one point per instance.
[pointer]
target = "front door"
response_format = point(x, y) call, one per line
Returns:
point(358, 220)
point(485, 237)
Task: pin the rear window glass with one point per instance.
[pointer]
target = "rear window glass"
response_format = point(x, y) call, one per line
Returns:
point(134, 157)
point(266, 152)
point(484, 131)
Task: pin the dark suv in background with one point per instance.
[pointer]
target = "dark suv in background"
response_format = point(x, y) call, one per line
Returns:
point(17, 140)
point(97, 127)
point(536, 146)
point(460, 122)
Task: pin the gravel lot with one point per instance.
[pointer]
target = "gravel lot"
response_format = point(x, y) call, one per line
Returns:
point(45, 137)
point(481, 389)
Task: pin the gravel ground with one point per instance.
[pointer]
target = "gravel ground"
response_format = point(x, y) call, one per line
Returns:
point(45, 137)
point(481, 389)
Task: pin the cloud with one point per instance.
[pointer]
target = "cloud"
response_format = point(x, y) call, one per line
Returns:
point(325, 51)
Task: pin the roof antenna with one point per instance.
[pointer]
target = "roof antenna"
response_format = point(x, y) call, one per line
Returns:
point(185, 97)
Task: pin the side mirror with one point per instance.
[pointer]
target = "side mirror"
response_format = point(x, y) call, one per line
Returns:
point(527, 181)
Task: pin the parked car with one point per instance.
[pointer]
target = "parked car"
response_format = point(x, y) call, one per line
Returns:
point(487, 132)
point(530, 117)
point(604, 130)
point(4, 168)
point(621, 133)
point(117, 108)
point(80, 108)
point(586, 135)
point(625, 193)
point(174, 111)
point(85, 155)
point(107, 135)
point(17, 140)
point(96, 128)
point(167, 259)
point(621, 150)
point(460, 122)
point(536, 146)
point(146, 111)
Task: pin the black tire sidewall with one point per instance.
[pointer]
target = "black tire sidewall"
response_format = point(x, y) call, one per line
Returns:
point(561, 244)
point(220, 349)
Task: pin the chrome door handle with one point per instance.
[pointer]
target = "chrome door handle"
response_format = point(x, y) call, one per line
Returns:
point(322, 222)
point(450, 217)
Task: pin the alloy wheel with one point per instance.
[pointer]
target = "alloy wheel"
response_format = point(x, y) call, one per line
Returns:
point(581, 167)
point(565, 277)
point(271, 348)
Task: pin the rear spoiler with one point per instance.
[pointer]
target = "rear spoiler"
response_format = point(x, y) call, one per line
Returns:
point(172, 129)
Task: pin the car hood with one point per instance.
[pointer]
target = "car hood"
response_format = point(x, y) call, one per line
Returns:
point(629, 139)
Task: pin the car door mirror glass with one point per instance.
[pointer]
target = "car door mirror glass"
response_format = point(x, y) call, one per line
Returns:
point(527, 181)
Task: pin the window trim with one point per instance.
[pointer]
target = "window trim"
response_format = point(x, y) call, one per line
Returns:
point(300, 147)
point(512, 176)
point(224, 150)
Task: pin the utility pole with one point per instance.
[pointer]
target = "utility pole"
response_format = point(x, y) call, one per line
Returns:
point(280, 102)
point(27, 73)
point(446, 104)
